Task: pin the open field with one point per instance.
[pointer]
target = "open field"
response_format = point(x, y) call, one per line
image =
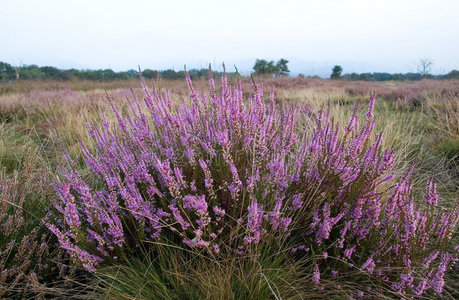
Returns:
point(40, 122)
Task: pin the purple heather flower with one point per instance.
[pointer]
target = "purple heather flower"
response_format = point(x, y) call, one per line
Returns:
point(219, 211)
point(196, 203)
point(348, 252)
point(431, 196)
point(369, 265)
point(296, 201)
point(316, 275)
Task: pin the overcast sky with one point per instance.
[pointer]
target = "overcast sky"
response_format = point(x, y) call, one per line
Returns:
point(361, 35)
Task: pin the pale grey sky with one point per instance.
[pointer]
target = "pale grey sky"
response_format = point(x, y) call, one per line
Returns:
point(361, 35)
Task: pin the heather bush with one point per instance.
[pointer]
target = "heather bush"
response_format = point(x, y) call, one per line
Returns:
point(358, 223)
point(226, 176)
point(180, 172)
point(30, 262)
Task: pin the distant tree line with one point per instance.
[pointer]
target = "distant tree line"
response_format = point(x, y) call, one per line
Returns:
point(9, 72)
point(377, 76)
point(261, 67)
point(424, 68)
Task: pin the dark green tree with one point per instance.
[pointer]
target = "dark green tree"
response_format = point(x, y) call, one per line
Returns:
point(354, 76)
point(52, 72)
point(108, 74)
point(148, 73)
point(262, 66)
point(454, 74)
point(132, 73)
point(30, 72)
point(413, 76)
point(6, 71)
point(282, 67)
point(71, 73)
point(336, 72)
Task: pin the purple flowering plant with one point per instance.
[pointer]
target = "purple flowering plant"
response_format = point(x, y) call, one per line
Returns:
point(223, 174)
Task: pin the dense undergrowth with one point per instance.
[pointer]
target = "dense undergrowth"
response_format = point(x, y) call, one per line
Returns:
point(234, 194)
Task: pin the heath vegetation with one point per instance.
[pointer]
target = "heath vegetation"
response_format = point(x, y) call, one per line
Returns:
point(281, 188)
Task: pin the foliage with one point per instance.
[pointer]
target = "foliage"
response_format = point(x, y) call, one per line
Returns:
point(31, 72)
point(336, 72)
point(454, 74)
point(282, 67)
point(262, 66)
point(7, 72)
point(279, 69)
point(377, 76)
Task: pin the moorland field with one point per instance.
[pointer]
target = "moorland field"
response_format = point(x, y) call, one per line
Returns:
point(279, 189)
